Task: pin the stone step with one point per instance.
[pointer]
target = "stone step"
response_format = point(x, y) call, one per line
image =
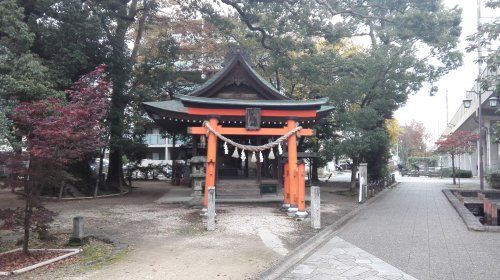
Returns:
point(237, 187)
point(237, 184)
point(238, 196)
point(236, 190)
point(238, 193)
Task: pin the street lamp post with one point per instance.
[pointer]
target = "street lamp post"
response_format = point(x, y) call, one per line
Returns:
point(493, 103)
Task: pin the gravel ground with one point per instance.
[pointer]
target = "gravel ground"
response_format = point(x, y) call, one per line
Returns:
point(168, 241)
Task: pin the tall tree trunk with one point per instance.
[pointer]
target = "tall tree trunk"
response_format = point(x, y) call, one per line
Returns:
point(61, 190)
point(314, 175)
point(120, 73)
point(28, 209)
point(176, 175)
point(99, 173)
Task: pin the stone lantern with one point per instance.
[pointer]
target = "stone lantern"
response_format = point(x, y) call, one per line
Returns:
point(197, 164)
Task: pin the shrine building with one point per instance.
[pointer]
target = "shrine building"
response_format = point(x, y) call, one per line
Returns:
point(246, 131)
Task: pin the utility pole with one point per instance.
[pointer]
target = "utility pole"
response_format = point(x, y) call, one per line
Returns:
point(479, 93)
point(447, 114)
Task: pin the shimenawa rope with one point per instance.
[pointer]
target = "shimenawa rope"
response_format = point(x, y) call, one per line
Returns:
point(250, 147)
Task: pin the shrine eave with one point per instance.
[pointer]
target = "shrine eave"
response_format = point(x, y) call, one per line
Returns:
point(205, 102)
point(178, 109)
point(174, 116)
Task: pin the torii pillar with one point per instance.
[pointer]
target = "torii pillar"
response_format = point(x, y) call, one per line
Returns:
point(292, 169)
point(211, 161)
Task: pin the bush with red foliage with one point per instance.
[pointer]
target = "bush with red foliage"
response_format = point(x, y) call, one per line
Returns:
point(458, 142)
point(57, 132)
point(41, 217)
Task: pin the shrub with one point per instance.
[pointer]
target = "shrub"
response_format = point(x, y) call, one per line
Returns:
point(459, 173)
point(41, 217)
point(493, 179)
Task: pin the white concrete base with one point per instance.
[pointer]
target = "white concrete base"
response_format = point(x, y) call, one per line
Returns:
point(285, 206)
point(70, 252)
point(204, 212)
point(301, 214)
point(292, 210)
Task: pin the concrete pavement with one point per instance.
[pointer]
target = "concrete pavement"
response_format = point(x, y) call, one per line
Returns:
point(411, 229)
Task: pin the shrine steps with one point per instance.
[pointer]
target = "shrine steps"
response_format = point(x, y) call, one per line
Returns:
point(237, 189)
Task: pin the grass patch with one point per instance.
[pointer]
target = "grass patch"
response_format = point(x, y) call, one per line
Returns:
point(106, 212)
point(97, 254)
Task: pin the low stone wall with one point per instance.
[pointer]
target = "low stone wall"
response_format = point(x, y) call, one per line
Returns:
point(465, 203)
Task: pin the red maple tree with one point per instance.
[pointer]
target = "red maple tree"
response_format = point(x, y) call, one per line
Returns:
point(458, 142)
point(60, 131)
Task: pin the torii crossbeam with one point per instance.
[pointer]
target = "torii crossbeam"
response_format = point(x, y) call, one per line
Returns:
point(294, 191)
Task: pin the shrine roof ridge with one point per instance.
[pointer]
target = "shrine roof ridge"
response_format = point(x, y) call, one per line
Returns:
point(238, 59)
point(241, 103)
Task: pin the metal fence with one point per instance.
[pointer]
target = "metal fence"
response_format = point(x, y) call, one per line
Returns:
point(376, 186)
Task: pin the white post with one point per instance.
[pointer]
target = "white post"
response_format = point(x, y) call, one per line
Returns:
point(363, 182)
point(315, 207)
point(211, 209)
point(360, 191)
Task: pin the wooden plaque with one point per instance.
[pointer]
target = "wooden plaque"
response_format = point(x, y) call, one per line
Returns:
point(253, 119)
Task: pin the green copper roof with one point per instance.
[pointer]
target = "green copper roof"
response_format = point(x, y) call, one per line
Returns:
point(237, 59)
point(169, 105)
point(195, 101)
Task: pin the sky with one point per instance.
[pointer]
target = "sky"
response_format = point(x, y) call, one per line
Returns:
point(431, 110)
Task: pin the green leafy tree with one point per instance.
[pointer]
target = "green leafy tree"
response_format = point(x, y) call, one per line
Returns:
point(377, 53)
point(488, 38)
point(412, 141)
point(135, 70)
point(23, 77)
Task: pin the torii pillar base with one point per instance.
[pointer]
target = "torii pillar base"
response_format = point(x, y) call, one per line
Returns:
point(301, 215)
point(292, 210)
point(285, 206)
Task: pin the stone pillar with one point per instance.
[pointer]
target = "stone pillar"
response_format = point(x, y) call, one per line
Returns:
point(78, 231)
point(492, 150)
point(363, 182)
point(211, 209)
point(315, 207)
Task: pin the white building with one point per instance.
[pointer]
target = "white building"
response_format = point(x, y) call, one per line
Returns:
point(467, 119)
point(159, 148)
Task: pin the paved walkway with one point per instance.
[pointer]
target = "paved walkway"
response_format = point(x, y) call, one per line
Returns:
point(339, 259)
point(412, 228)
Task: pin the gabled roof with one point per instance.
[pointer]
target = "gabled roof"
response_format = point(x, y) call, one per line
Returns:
point(237, 71)
point(236, 86)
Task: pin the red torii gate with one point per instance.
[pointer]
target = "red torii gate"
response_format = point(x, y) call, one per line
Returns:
point(294, 181)
point(251, 107)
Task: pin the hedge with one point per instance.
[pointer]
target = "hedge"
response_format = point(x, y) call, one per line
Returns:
point(493, 179)
point(459, 173)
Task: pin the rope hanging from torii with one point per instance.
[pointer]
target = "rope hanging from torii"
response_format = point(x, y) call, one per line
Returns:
point(253, 149)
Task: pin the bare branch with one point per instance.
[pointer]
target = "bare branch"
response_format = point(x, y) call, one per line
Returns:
point(245, 18)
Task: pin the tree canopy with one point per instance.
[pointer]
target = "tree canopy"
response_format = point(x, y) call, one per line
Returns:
point(366, 56)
